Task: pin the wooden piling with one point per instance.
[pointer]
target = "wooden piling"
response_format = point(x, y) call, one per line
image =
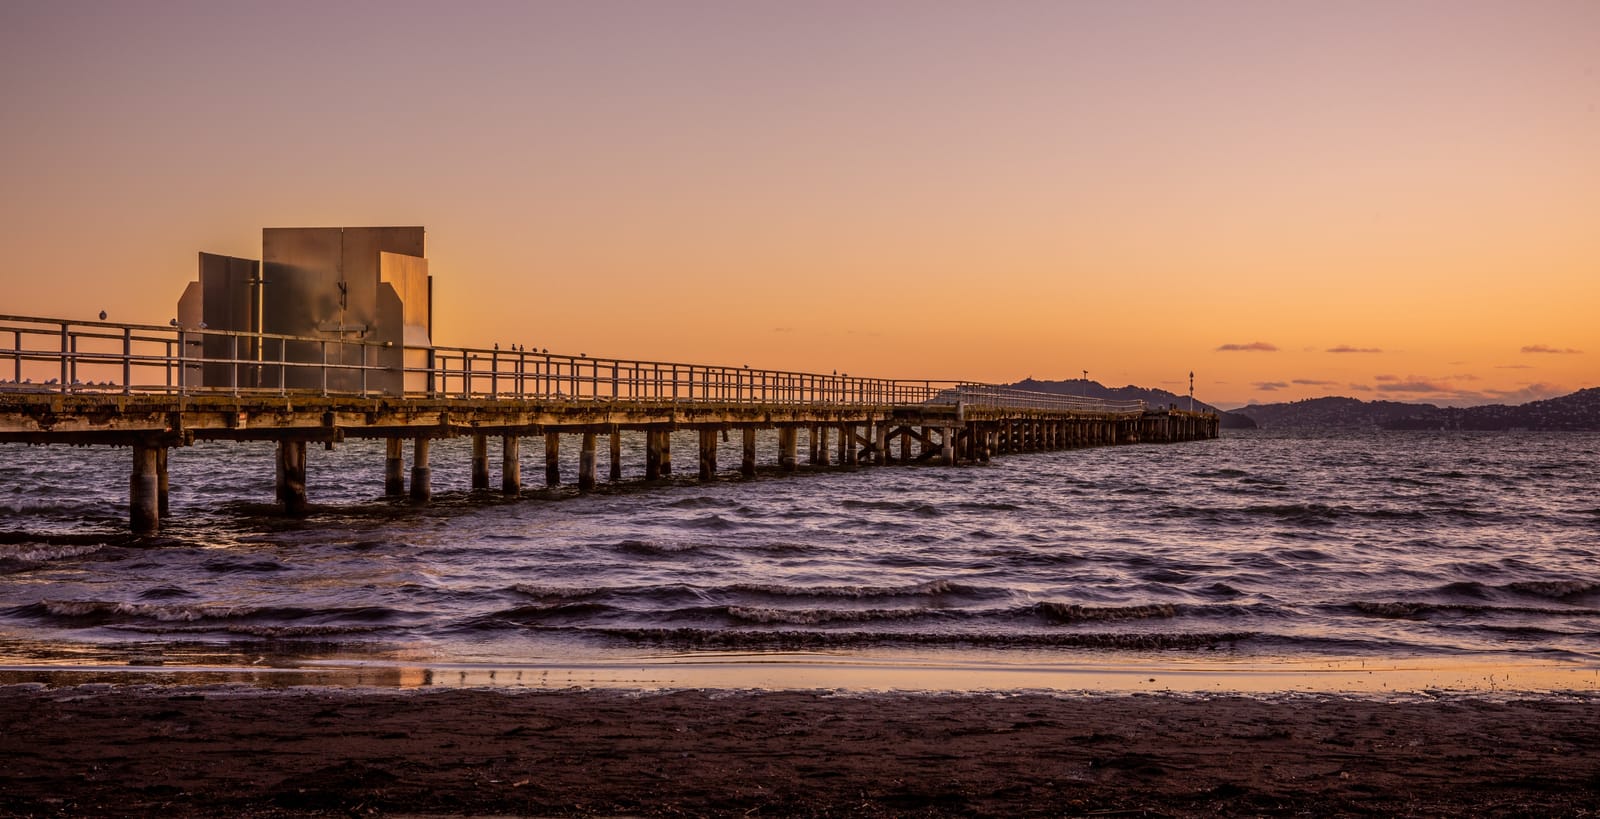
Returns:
point(586, 462)
point(652, 454)
point(708, 454)
point(292, 476)
point(511, 464)
point(947, 448)
point(747, 466)
point(616, 455)
point(822, 445)
point(847, 445)
point(552, 459)
point(788, 439)
point(394, 463)
point(144, 505)
point(421, 475)
point(480, 462)
point(162, 504)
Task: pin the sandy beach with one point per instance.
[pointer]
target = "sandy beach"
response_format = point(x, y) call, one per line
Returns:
point(103, 749)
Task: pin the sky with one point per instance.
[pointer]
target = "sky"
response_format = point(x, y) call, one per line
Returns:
point(1389, 200)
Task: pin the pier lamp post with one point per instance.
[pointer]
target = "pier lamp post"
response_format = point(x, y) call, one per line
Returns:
point(1086, 384)
point(1191, 390)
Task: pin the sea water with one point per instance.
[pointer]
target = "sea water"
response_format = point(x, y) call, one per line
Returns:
point(1257, 550)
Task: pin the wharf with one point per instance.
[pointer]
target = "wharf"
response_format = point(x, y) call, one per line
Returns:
point(140, 387)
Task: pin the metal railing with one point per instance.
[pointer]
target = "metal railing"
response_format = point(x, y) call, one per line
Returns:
point(64, 356)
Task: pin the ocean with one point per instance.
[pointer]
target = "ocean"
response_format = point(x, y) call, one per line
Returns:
point(1256, 552)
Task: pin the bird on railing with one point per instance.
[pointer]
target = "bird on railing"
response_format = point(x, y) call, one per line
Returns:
point(102, 315)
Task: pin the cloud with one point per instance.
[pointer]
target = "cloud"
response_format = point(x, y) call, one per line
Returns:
point(1345, 348)
point(1311, 382)
point(1269, 386)
point(1531, 392)
point(1252, 347)
point(1513, 366)
point(1415, 386)
point(1543, 348)
point(1386, 378)
point(783, 329)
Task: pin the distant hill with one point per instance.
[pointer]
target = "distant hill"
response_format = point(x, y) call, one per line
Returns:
point(1151, 398)
point(1578, 411)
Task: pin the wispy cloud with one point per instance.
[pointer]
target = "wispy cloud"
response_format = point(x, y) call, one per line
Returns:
point(1545, 348)
point(1270, 386)
point(1311, 382)
point(1415, 387)
point(1345, 348)
point(1513, 366)
point(1252, 347)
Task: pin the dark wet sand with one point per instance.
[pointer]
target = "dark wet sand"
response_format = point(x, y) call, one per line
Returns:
point(104, 750)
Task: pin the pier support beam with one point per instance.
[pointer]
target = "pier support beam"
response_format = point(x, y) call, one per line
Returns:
point(511, 465)
point(905, 446)
point(394, 464)
point(161, 482)
point(552, 459)
point(421, 475)
point(947, 446)
point(480, 462)
point(822, 445)
point(847, 445)
point(788, 443)
point(292, 476)
point(747, 466)
point(708, 454)
point(652, 454)
point(616, 455)
point(586, 460)
point(144, 505)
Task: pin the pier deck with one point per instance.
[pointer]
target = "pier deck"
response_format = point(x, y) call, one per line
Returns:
point(150, 388)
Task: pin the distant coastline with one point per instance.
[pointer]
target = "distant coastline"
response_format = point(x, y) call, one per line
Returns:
point(1576, 412)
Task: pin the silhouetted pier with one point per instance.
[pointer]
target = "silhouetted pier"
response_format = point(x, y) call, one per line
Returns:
point(140, 386)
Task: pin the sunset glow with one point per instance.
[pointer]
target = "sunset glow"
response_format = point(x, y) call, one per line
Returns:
point(1385, 200)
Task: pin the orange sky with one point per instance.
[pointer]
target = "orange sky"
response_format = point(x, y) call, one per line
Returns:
point(922, 189)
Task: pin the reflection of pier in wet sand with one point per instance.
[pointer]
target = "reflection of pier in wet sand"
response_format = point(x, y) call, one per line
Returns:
point(369, 369)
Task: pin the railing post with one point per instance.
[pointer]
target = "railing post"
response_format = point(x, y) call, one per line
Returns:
point(233, 363)
point(65, 343)
point(323, 346)
point(183, 366)
point(494, 374)
point(127, 360)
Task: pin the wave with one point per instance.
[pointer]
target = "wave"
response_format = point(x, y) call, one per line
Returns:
point(1409, 610)
point(813, 617)
point(1074, 613)
point(930, 588)
point(746, 638)
point(1554, 589)
point(104, 612)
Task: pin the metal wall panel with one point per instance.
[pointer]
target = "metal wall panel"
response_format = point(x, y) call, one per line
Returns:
point(229, 301)
point(323, 282)
point(407, 276)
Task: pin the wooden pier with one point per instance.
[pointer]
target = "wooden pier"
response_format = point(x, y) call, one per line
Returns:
point(126, 385)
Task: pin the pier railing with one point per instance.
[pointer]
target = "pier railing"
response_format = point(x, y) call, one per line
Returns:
point(69, 357)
